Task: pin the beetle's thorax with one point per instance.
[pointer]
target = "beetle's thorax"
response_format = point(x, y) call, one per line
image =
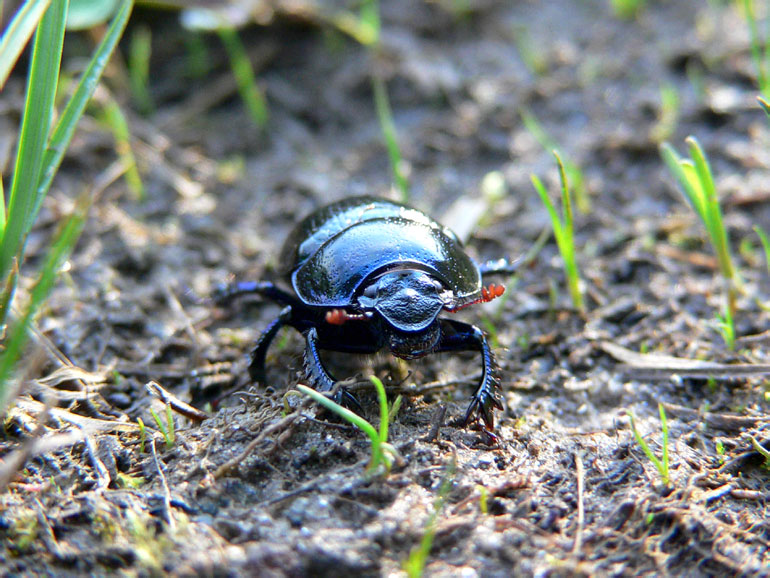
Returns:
point(409, 300)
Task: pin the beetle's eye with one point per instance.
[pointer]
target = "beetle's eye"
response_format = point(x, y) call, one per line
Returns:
point(371, 291)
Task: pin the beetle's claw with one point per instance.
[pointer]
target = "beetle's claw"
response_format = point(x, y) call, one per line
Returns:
point(485, 401)
point(347, 399)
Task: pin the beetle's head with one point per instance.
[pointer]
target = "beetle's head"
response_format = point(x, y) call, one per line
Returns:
point(409, 301)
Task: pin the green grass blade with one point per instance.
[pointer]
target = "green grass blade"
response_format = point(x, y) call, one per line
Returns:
point(540, 188)
point(369, 17)
point(385, 115)
point(765, 244)
point(57, 255)
point(683, 172)
point(664, 441)
point(18, 33)
point(244, 76)
point(566, 200)
point(765, 105)
point(383, 400)
point(139, 68)
point(343, 412)
point(119, 126)
point(756, 52)
point(72, 112)
point(659, 465)
point(712, 211)
point(35, 126)
point(2, 208)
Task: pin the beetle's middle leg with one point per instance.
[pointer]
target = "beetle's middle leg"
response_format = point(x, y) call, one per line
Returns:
point(228, 292)
point(259, 353)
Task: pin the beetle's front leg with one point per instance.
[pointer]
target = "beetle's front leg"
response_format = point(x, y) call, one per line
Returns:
point(459, 336)
point(320, 379)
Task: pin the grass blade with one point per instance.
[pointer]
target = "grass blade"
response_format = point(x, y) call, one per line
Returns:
point(383, 401)
point(664, 441)
point(2, 209)
point(384, 113)
point(76, 105)
point(683, 172)
point(35, 126)
point(563, 230)
point(244, 75)
point(58, 253)
point(760, 59)
point(712, 210)
point(765, 105)
point(18, 33)
point(351, 417)
point(139, 68)
point(661, 466)
point(765, 244)
point(118, 124)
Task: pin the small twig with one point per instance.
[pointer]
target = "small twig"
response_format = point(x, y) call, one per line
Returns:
point(580, 472)
point(660, 366)
point(437, 422)
point(740, 494)
point(102, 475)
point(729, 423)
point(179, 406)
point(47, 535)
point(717, 493)
point(284, 423)
point(166, 492)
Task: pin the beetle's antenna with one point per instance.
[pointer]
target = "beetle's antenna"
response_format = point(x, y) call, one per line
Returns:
point(340, 317)
point(492, 291)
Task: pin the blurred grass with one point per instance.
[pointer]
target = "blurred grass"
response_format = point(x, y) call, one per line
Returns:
point(38, 158)
point(18, 33)
point(661, 464)
point(564, 231)
point(573, 171)
point(140, 51)
point(697, 183)
point(760, 50)
point(245, 78)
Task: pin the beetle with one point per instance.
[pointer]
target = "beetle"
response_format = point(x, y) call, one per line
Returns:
point(368, 273)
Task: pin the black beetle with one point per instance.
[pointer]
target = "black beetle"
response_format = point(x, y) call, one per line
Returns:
point(369, 273)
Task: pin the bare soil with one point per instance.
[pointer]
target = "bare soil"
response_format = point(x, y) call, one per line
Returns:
point(567, 490)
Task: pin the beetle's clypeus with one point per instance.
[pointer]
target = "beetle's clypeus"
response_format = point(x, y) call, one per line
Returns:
point(368, 273)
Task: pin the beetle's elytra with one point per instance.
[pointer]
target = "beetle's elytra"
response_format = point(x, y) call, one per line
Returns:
point(369, 273)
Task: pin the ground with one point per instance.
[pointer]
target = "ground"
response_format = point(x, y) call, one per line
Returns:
point(267, 484)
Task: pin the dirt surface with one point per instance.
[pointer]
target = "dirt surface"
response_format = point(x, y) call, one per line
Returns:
point(567, 490)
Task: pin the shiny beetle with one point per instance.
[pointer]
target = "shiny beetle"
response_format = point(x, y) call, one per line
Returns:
point(370, 273)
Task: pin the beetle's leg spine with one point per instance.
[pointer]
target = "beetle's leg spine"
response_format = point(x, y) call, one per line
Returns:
point(485, 398)
point(458, 336)
point(316, 373)
point(319, 378)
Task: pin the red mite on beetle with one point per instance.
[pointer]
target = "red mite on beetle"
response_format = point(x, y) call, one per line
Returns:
point(369, 273)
